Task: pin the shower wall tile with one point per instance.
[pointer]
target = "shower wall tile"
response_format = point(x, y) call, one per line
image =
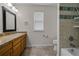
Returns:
point(66, 8)
point(68, 13)
point(66, 26)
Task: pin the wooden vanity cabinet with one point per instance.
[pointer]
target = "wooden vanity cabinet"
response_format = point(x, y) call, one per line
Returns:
point(14, 47)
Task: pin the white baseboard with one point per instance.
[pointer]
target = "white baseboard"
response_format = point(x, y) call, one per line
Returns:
point(41, 45)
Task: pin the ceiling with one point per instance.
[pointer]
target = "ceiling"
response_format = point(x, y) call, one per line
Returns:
point(42, 4)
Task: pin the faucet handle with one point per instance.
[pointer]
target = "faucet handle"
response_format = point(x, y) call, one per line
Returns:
point(72, 45)
point(46, 36)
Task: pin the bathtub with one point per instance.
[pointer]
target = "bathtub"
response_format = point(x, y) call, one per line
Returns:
point(69, 51)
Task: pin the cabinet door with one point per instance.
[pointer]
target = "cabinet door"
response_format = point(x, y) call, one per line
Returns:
point(16, 41)
point(5, 49)
point(23, 43)
point(8, 53)
point(17, 50)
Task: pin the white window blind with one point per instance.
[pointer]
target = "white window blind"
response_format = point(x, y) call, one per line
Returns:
point(38, 21)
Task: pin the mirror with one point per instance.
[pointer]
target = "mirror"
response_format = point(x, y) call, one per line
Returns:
point(9, 20)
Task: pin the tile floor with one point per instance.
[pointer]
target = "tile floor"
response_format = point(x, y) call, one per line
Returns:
point(39, 51)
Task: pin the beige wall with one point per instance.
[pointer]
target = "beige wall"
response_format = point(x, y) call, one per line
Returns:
point(66, 28)
point(25, 14)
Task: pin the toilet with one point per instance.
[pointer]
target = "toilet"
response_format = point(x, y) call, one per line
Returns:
point(55, 45)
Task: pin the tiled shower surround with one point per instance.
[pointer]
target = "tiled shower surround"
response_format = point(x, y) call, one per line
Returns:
point(67, 14)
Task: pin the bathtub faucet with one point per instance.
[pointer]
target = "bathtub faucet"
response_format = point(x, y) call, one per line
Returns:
point(72, 45)
point(72, 50)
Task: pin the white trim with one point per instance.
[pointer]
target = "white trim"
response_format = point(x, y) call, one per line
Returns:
point(40, 45)
point(58, 41)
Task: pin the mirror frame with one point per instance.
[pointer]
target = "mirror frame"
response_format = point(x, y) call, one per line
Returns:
point(4, 10)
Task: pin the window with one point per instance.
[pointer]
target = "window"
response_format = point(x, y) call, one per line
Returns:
point(38, 21)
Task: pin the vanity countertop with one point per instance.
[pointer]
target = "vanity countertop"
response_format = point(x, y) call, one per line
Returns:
point(7, 38)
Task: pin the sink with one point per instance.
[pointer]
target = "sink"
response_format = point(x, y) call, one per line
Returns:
point(1, 35)
point(7, 33)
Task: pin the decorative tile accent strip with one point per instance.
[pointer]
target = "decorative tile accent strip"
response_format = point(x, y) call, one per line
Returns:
point(68, 16)
point(69, 8)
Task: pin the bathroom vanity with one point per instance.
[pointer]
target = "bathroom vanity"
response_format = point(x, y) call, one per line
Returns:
point(13, 44)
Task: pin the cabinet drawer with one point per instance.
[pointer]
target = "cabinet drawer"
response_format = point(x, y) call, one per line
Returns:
point(16, 41)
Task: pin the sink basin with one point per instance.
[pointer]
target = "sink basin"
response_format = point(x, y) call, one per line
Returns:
point(1, 35)
point(7, 33)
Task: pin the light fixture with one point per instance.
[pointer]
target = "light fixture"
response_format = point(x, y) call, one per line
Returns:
point(9, 4)
point(14, 9)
